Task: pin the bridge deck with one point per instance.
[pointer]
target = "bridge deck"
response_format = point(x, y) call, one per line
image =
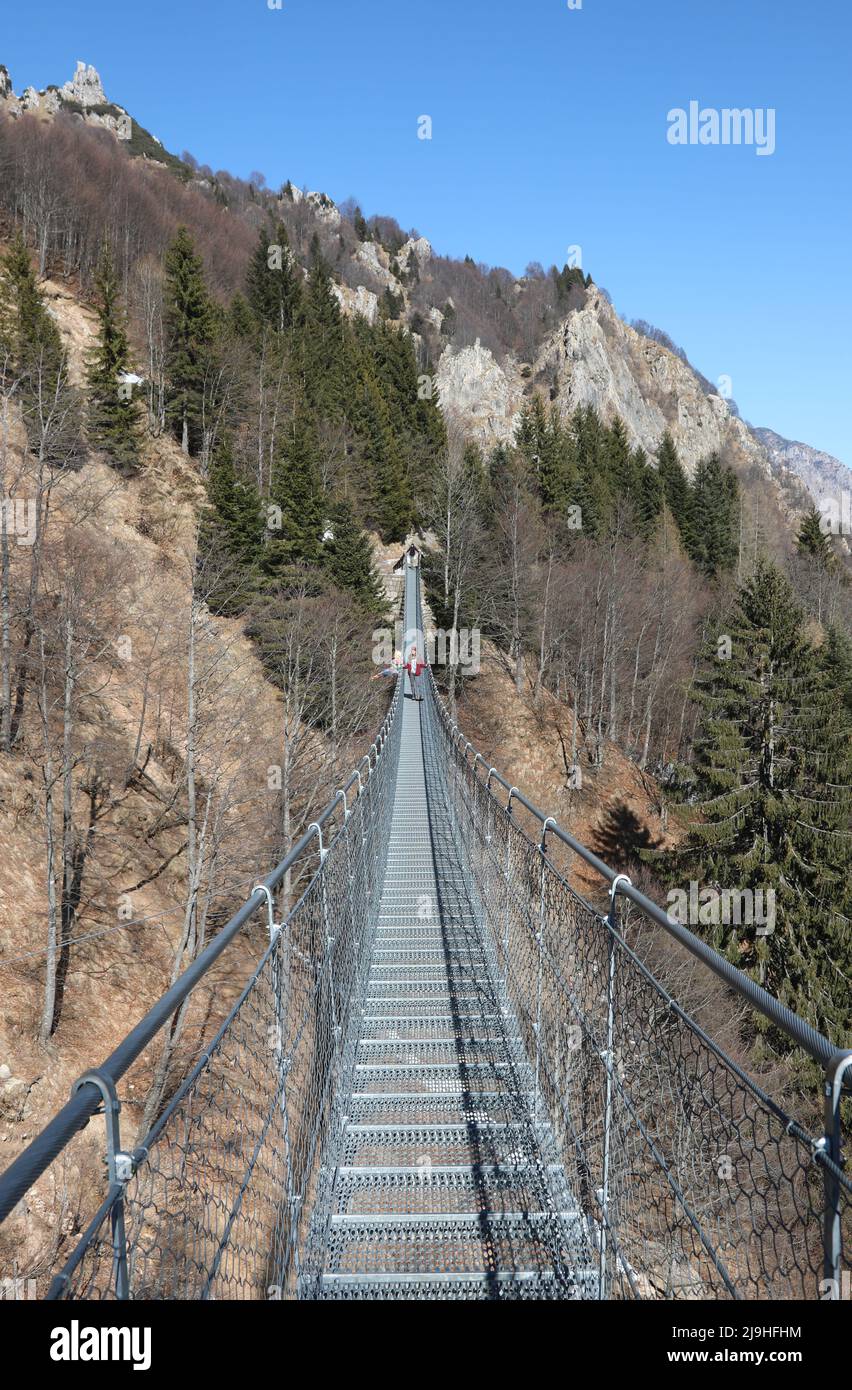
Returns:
point(443, 1186)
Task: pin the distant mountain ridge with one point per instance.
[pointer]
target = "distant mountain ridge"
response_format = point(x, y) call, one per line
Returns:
point(822, 474)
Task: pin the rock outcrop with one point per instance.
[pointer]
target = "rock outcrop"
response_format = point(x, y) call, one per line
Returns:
point(594, 359)
point(483, 395)
point(420, 251)
point(324, 207)
point(83, 95)
point(377, 261)
point(85, 87)
point(823, 475)
point(358, 301)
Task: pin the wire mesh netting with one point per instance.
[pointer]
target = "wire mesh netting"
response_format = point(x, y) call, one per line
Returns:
point(220, 1205)
point(694, 1182)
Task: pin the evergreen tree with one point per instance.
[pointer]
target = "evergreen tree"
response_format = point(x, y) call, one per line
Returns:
point(619, 461)
point(542, 443)
point(237, 507)
point(190, 325)
point(274, 281)
point(813, 542)
point(476, 473)
point(241, 321)
point(392, 507)
point(590, 491)
point(32, 356)
point(114, 418)
point(324, 348)
point(565, 279)
point(30, 345)
point(649, 502)
point(296, 491)
point(552, 469)
point(836, 657)
point(676, 491)
point(529, 425)
point(362, 231)
point(715, 507)
point(770, 803)
point(348, 558)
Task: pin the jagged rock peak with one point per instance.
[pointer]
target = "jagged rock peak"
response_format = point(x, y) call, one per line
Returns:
point(324, 207)
point(5, 82)
point(420, 249)
point(85, 87)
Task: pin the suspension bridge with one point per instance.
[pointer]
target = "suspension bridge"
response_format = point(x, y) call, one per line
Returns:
point(451, 1076)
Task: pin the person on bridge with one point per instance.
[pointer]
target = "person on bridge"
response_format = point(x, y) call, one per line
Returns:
point(416, 667)
point(392, 670)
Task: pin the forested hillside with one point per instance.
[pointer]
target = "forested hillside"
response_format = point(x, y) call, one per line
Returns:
point(218, 413)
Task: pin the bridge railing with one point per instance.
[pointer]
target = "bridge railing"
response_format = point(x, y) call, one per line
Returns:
point(693, 1182)
point(216, 1201)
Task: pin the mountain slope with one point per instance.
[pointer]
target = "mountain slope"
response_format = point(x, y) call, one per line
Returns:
point(487, 338)
point(823, 475)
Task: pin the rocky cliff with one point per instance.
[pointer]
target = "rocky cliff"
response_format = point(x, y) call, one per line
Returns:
point(82, 96)
point(593, 358)
point(824, 476)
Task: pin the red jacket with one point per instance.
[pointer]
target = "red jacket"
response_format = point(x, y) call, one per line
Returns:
point(415, 666)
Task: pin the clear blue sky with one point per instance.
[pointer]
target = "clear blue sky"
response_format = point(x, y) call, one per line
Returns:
point(549, 130)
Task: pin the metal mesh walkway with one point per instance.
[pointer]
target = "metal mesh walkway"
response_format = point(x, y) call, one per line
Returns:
point(444, 1186)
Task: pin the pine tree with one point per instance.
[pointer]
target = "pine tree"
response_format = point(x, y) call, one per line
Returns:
point(274, 281)
point(770, 801)
point(619, 461)
point(530, 422)
point(32, 356)
point(296, 491)
point(715, 508)
point(190, 326)
point(590, 491)
point(30, 345)
point(814, 543)
point(392, 507)
point(324, 348)
point(836, 656)
point(477, 475)
point(649, 502)
point(241, 321)
point(362, 231)
point(815, 979)
point(542, 443)
point(348, 558)
point(114, 420)
point(237, 507)
point(676, 491)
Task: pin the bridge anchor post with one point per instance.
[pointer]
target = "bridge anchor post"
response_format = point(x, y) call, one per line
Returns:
point(121, 1165)
point(835, 1077)
point(608, 1059)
